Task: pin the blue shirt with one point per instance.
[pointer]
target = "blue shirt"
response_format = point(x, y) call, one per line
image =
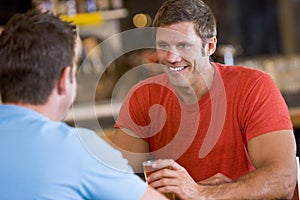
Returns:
point(42, 159)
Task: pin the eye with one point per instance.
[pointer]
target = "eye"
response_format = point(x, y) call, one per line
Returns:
point(183, 45)
point(162, 45)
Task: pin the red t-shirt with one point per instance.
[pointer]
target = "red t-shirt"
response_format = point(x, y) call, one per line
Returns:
point(210, 136)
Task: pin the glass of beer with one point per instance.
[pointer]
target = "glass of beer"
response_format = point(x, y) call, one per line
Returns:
point(163, 164)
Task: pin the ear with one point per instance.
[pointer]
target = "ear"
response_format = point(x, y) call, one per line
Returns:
point(211, 46)
point(64, 80)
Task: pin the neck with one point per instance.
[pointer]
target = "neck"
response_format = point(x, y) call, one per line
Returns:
point(198, 88)
point(50, 109)
point(37, 108)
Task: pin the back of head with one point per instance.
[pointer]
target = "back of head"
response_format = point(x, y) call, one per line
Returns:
point(34, 49)
point(195, 11)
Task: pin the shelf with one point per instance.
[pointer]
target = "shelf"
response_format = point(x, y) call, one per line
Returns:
point(95, 18)
point(115, 14)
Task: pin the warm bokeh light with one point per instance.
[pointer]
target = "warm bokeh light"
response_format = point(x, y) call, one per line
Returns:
point(141, 20)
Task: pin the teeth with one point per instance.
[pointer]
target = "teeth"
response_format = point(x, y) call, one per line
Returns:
point(176, 68)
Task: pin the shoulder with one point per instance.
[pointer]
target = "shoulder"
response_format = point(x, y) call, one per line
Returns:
point(243, 75)
point(101, 151)
point(239, 70)
point(87, 145)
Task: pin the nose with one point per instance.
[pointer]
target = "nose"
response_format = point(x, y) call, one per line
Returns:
point(173, 57)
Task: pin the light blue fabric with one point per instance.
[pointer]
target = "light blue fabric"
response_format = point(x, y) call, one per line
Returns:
point(41, 159)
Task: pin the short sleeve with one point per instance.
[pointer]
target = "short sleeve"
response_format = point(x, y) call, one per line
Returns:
point(264, 109)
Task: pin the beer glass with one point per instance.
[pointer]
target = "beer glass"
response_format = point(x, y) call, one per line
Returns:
point(163, 164)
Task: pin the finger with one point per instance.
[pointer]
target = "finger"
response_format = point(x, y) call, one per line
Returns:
point(215, 179)
point(209, 180)
point(162, 173)
point(167, 163)
point(163, 163)
point(222, 177)
point(168, 189)
point(164, 183)
point(176, 166)
point(176, 189)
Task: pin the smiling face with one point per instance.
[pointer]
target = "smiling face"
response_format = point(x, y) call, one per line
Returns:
point(185, 58)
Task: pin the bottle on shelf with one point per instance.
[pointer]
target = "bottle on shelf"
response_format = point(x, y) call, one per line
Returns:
point(103, 4)
point(71, 7)
point(116, 4)
point(81, 6)
point(91, 6)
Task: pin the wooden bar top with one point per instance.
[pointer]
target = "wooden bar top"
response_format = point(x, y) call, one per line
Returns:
point(295, 116)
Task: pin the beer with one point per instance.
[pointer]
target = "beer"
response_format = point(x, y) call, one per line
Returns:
point(163, 164)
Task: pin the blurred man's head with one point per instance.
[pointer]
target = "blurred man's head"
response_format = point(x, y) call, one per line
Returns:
point(35, 48)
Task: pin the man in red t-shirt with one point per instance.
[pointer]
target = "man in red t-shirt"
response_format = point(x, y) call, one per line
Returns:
point(227, 127)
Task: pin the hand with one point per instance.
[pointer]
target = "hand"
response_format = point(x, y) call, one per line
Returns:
point(215, 180)
point(174, 179)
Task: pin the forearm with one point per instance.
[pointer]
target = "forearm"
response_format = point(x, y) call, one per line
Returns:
point(273, 155)
point(134, 149)
point(264, 183)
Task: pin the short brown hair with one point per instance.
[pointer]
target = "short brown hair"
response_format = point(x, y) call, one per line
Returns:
point(35, 47)
point(195, 11)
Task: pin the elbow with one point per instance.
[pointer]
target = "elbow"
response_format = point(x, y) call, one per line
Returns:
point(292, 189)
point(289, 186)
point(283, 183)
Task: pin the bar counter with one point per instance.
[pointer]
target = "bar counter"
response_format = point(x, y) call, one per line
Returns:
point(295, 116)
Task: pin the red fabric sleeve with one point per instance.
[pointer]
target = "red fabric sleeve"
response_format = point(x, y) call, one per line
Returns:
point(264, 108)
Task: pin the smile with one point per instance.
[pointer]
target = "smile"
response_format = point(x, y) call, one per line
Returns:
point(177, 68)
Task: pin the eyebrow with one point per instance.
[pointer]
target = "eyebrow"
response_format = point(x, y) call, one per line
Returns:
point(184, 42)
point(177, 43)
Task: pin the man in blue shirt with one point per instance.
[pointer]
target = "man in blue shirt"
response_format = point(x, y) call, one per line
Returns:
point(41, 157)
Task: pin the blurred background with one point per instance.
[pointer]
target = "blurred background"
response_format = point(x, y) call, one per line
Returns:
point(261, 34)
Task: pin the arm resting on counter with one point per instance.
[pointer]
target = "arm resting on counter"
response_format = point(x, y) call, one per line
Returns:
point(273, 155)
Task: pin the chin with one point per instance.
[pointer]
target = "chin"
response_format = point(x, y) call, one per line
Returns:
point(182, 84)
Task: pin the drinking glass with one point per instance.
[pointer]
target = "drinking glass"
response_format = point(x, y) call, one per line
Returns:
point(163, 164)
